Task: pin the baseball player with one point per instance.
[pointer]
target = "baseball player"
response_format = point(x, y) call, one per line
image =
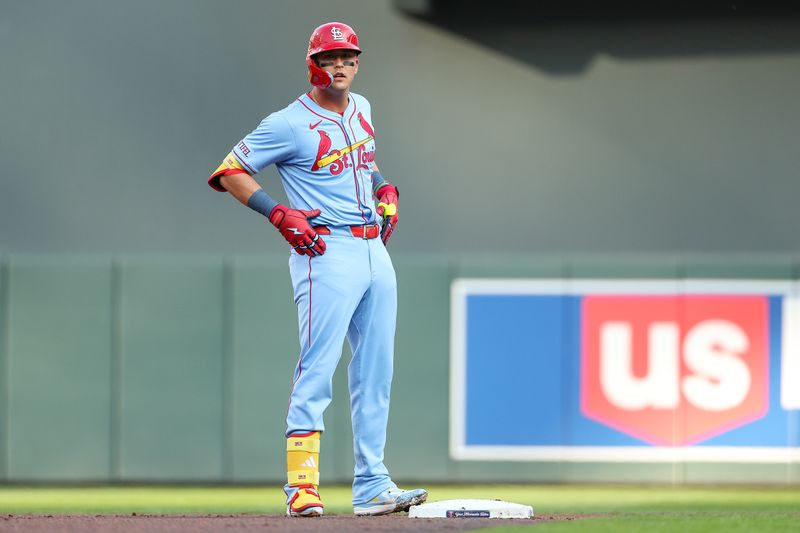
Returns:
point(341, 216)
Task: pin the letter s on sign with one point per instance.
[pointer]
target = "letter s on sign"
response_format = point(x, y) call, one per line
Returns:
point(712, 350)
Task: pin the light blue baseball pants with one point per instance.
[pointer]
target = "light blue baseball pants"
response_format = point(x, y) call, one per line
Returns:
point(349, 291)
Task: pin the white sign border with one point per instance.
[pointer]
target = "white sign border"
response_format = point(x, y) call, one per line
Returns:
point(460, 451)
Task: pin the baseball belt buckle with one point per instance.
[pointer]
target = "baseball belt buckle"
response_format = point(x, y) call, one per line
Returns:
point(363, 232)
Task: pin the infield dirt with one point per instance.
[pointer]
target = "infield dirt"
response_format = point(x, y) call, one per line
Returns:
point(236, 523)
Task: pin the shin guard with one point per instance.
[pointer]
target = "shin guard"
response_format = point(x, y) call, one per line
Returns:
point(302, 462)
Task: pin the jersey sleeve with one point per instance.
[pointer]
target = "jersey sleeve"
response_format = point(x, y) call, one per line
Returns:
point(271, 142)
point(230, 165)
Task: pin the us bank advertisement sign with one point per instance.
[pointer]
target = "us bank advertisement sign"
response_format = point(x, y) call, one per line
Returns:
point(615, 370)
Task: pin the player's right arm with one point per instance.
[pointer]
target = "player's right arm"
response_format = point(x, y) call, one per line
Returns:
point(267, 144)
point(240, 185)
point(292, 223)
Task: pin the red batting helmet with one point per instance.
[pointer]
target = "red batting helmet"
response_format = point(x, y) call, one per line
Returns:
point(329, 36)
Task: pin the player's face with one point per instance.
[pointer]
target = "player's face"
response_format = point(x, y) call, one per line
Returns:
point(341, 64)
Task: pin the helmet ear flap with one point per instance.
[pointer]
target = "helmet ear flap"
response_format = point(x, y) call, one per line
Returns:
point(317, 76)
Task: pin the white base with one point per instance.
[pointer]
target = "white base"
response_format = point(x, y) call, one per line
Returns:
point(471, 509)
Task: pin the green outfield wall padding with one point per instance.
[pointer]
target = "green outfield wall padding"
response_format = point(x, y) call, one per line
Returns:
point(171, 390)
point(622, 266)
point(4, 339)
point(264, 353)
point(740, 473)
point(514, 266)
point(747, 267)
point(336, 457)
point(59, 373)
point(178, 369)
point(417, 442)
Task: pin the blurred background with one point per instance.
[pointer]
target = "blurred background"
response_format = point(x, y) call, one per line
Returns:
point(147, 331)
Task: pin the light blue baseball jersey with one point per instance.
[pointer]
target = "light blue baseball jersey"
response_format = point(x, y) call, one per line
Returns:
point(324, 159)
point(325, 162)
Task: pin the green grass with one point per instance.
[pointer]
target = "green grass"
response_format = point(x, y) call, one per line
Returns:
point(703, 522)
point(620, 508)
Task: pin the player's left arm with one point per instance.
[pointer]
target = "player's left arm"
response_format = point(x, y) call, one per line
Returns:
point(387, 195)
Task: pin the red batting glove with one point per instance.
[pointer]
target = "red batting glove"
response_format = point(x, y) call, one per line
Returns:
point(293, 225)
point(387, 209)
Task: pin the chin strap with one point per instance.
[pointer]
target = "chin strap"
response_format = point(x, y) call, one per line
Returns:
point(317, 76)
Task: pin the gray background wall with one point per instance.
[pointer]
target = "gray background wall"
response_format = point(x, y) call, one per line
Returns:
point(135, 343)
point(633, 134)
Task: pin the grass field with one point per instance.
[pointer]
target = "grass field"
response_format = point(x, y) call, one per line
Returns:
point(612, 508)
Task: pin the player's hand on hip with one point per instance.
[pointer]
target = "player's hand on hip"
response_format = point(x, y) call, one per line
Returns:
point(387, 209)
point(293, 225)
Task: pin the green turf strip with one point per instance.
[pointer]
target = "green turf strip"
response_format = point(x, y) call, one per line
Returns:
point(699, 522)
point(623, 508)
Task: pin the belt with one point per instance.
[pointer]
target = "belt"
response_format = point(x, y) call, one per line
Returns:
point(369, 231)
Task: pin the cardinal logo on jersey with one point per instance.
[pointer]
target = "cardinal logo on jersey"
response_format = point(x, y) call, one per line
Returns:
point(324, 148)
point(336, 158)
point(366, 125)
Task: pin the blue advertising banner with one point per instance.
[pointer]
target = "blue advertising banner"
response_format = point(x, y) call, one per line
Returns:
point(615, 370)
